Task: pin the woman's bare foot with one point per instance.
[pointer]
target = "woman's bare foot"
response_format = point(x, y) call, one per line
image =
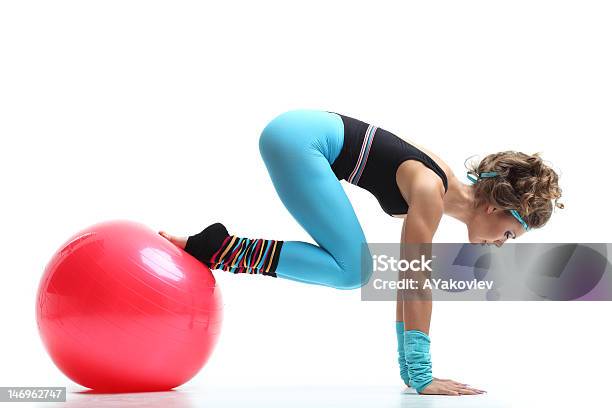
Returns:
point(178, 241)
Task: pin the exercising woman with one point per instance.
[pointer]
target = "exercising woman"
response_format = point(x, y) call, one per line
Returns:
point(307, 152)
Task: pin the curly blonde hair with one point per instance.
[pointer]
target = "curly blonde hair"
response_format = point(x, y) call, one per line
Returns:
point(523, 182)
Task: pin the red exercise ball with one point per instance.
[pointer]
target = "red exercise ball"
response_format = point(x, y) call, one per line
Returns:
point(120, 308)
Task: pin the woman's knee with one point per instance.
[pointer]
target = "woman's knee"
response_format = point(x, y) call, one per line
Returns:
point(355, 273)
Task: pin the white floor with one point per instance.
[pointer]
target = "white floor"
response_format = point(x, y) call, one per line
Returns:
point(270, 397)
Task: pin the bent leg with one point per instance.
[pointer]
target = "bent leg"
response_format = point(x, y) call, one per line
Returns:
point(298, 148)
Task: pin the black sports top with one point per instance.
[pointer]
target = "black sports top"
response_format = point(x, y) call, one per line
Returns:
point(369, 159)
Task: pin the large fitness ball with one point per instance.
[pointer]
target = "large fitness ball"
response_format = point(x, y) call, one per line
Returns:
point(119, 308)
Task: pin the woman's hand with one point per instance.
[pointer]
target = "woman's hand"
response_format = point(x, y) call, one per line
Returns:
point(449, 387)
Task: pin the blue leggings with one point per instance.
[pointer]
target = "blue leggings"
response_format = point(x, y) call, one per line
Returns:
point(298, 148)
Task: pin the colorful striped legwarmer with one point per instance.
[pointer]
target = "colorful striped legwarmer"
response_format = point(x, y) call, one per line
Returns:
point(219, 250)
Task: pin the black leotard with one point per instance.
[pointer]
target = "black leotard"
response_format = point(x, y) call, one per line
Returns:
point(371, 163)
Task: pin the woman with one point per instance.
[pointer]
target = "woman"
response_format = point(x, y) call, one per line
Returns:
point(307, 152)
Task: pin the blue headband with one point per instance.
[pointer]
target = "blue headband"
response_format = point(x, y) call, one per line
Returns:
point(520, 219)
point(485, 174)
point(489, 174)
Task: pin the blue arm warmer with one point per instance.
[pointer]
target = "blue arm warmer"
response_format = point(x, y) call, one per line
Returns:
point(401, 359)
point(416, 344)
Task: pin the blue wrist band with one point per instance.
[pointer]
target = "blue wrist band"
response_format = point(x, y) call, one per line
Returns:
point(401, 355)
point(416, 345)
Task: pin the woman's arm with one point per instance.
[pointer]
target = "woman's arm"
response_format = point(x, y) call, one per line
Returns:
point(424, 197)
point(425, 212)
point(419, 227)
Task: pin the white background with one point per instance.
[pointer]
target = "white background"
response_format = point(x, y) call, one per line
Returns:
point(152, 110)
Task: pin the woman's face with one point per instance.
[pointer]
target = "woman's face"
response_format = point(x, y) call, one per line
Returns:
point(491, 225)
